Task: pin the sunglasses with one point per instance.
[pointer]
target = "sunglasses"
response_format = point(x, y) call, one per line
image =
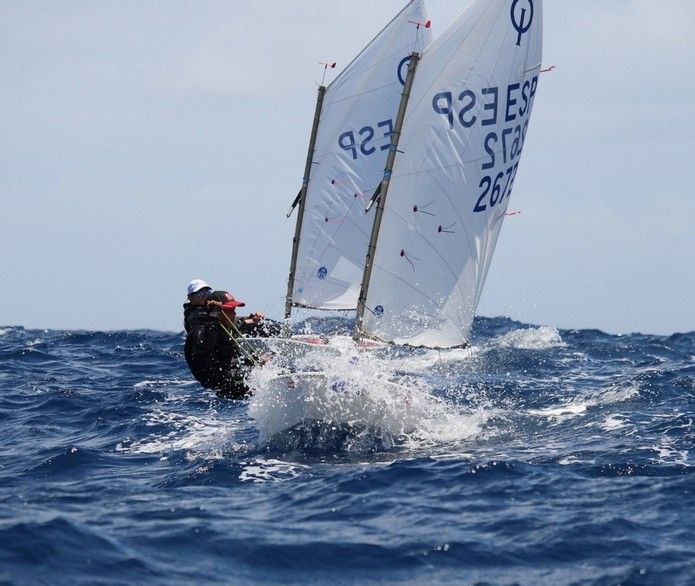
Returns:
point(202, 293)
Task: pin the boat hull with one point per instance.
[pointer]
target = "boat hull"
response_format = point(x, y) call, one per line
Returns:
point(287, 400)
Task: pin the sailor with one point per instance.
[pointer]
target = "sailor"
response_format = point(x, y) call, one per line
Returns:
point(195, 320)
point(215, 351)
point(195, 308)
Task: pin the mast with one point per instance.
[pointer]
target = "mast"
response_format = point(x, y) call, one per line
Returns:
point(381, 193)
point(300, 199)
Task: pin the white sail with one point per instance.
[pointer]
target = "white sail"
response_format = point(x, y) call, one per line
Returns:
point(351, 148)
point(463, 134)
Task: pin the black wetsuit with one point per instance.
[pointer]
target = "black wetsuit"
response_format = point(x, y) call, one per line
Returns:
point(215, 359)
point(200, 341)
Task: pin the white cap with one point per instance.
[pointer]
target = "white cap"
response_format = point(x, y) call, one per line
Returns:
point(196, 285)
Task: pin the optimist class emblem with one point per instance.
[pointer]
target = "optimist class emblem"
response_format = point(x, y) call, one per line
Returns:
point(401, 70)
point(322, 272)
point(379, 310)
point(519, 17)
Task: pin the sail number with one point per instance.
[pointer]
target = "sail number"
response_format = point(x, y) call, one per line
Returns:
point(493, 106)
point(517, 99)
point(495, 190)
point(363, 142)
point(512, 140)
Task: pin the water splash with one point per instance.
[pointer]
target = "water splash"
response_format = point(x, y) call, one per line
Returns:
point(540, 338)
point(366, 391)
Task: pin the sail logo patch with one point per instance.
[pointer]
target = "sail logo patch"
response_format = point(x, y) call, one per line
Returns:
point(322, 273)
point(379, 310)
point(521, 21)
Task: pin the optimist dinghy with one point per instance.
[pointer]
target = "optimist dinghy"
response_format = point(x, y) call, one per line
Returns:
point(403, 199)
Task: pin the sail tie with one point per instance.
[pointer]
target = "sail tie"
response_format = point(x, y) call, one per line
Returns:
point(422, 210)
point(427, 24)
point(503, 214)
point(404, 254)
point(325, 69)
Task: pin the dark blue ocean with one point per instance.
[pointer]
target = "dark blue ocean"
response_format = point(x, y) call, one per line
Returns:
point(552, 457)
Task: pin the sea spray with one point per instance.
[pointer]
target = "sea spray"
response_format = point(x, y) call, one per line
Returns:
point(363, 390)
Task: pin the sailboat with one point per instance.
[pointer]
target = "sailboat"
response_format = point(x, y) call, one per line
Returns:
point(438, 207)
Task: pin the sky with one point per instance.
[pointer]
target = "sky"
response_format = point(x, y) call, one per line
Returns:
point(144, 144)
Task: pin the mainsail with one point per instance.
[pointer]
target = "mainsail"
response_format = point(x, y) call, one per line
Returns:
point(352, 142)
point(462, 137)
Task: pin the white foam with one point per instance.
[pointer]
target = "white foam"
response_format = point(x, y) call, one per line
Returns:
point(561, 412)
point(450, 426)
point(539, 338)
point(580, 405)
point(261, 471)
point(573, 459)
point(163, 383)
point(616, 394)
point(668, 454)
point(613, 422)
point(201, 437)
